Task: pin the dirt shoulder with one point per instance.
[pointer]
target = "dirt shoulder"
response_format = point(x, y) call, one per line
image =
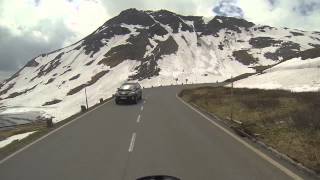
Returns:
point(288, 122)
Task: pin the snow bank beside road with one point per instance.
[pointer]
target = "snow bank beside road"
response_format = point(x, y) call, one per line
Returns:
point(295, 75)
point(15, 137)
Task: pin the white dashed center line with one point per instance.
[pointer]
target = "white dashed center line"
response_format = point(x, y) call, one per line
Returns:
point(133, 139)
point(141, 108)
point(138, 119)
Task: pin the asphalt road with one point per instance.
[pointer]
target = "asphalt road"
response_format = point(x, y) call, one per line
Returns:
point(159, 135)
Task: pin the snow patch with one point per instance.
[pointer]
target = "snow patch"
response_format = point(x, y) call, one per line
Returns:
point(18, 137)
point(295, 75)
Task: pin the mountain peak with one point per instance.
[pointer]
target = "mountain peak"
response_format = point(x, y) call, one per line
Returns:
point(132, 16)
point(231, 23)
point(233, 20)
point(130, 11)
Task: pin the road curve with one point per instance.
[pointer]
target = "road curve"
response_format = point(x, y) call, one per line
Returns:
point(159, 135)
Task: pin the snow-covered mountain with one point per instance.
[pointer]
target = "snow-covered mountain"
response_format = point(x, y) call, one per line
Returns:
point(154, 48)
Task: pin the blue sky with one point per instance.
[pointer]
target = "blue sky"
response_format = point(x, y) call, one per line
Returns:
point(31, 27)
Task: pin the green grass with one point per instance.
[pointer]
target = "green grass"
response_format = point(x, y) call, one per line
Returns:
point(286, 121)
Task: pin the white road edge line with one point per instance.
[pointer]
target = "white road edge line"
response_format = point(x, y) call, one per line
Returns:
point(133, 139)
point(50, 133)
point(255, 150)
point(138, 119)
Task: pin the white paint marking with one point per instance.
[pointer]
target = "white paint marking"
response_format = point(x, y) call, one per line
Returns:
point(259, 153)
point(138, 119)
point(133, 139)
point(141, 108)
point(50, 133)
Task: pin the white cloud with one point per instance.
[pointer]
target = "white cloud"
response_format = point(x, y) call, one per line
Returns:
point(184, 7)
point(86, 16)
point(283, 13)
point(4, 75)
point(80, 16)
point(204, 8)
point(31, 27)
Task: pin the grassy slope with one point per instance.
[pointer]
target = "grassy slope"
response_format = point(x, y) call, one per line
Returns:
point(288, 122)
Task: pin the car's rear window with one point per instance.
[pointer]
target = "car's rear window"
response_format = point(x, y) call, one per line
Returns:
point(127, 86)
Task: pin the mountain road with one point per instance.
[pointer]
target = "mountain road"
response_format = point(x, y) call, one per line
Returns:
point(159, 135)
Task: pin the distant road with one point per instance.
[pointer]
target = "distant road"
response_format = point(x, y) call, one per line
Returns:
point(159, 135)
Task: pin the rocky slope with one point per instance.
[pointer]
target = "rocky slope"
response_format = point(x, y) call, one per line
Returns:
point(154, 48)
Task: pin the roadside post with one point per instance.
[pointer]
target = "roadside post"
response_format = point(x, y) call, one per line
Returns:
point(49, 122)
point(231, 111)
point(85, 92)
point(83, 108)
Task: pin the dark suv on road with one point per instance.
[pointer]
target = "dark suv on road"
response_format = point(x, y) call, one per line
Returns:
point(129, 92)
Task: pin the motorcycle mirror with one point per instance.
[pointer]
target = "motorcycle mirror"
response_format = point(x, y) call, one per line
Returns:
point(162, 177)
